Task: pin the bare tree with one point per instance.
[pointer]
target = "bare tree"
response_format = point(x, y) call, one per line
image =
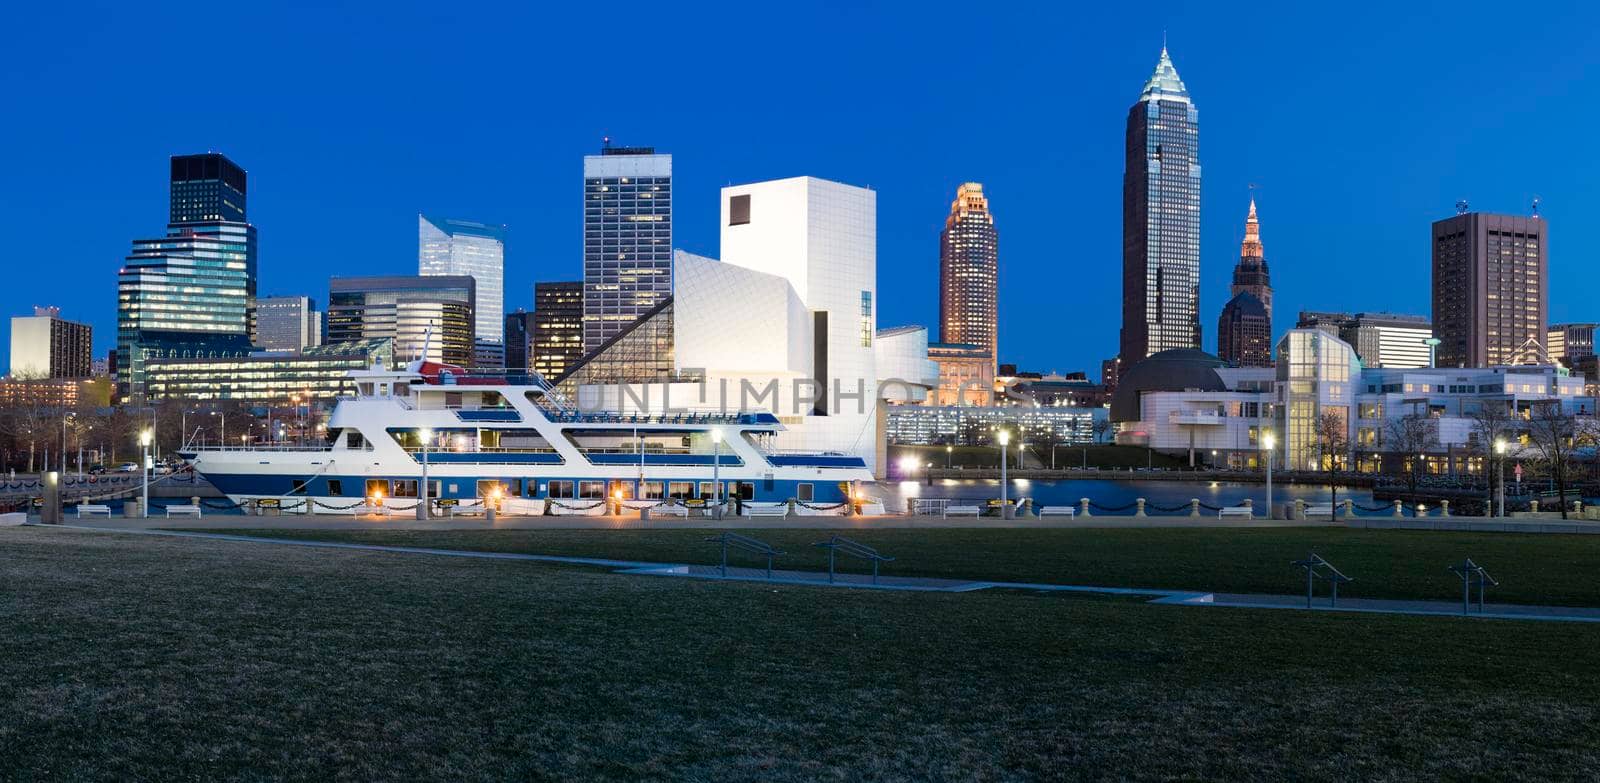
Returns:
point(1412, 436)
point(1333, 439)
point(1101, 428)
point(1553, 435)
point(1492, 423)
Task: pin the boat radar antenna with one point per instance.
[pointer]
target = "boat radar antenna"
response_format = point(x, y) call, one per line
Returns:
point(1461, 207)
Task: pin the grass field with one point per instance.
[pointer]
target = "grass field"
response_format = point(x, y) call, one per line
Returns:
point(141, 657)
point(1533, 569)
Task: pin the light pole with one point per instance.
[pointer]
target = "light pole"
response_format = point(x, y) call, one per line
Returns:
point(144, 440)
point(422, 506)
point(1433, 350)
point(1500, 490)
point(64, 443)
point(1004, 438)
point(947, 456)
point(1268, 441)
point(716, 469)
point(929, 474)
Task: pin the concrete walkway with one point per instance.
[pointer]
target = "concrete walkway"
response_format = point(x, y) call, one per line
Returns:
point(632, 522)
point(924, 584)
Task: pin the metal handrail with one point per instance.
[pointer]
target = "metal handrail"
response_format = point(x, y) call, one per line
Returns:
point(837, 544)
point(1466, 571)
point(746, 543)
point(1316, 567)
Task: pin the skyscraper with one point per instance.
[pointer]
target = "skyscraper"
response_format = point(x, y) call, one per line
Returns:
point(435, 312)
point(1244, 330)
point(465, 247)
point(556, 339)
point(519, 327)
point(1250, 275)
point(1570, 343)
point(191, 292)
point(627, 238)
point(44, 345)
point(1489, 289)
point(968, 272)
point(207, 187)
point(1161, 219)
point(287, 323)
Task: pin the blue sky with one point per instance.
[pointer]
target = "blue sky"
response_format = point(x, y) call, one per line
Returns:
point(1359, 124)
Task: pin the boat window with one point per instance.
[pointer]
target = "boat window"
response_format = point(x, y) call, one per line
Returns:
point(452, 400)
point(377, 488)
point(405, 488)
point(299, 486)
point(487, 487)
point(746, 491)
point(680, 490)
point(335, 488)
point(355, 440)
point(515, 488)
point(804, 492)
point(707, 489)
point(592, 489)
point(561, 489)
point(652, 490)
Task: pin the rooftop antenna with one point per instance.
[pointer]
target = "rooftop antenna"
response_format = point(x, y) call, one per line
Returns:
point(1535, 207)
point(1461, 207)
point(605, 142)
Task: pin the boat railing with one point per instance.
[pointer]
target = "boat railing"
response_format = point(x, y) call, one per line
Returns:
point(482, 450)
point(264, 447)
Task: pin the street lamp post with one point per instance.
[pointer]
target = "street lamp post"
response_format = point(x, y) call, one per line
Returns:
point(1269, 442)
point(948, 450)
point(422, 492)
point(1004, 438)
point(716, 469)
point(144, 440)
point(1500, 490)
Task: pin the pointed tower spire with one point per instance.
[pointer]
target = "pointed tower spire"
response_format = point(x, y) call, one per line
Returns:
point(1164, 84)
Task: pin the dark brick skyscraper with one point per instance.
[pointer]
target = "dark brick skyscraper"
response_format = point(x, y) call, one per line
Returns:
point(1161, 219)
point(1244, 331)
point(1490, 289)
point(968, 272)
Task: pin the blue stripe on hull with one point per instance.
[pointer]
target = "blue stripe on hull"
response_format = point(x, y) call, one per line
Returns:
point(466, 487)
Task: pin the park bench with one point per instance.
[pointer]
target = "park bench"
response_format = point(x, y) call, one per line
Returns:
point(185, 509)
point(872, 509)
point(962, 511)
point(1058, 511)
point(464, 511)
point(90, 509)
point(1236, 511)
point(670, 510)
point(780, 510)
point(1324, 510)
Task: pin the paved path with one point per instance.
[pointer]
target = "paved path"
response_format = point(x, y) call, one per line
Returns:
point(632, 522)
point(923, 584)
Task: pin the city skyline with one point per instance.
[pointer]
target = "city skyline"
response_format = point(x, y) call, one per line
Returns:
point(1386, 184)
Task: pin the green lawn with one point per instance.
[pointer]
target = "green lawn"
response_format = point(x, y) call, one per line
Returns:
point(1533, 569)
point(139, 657)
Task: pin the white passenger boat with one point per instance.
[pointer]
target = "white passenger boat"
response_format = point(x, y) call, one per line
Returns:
point(511, 437)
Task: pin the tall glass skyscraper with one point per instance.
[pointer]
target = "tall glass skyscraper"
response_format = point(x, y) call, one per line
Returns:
point(969, 272)
point(478, 250)
point(1161, 219)
point(627, 238)
point(190, 293)
point(427, 317)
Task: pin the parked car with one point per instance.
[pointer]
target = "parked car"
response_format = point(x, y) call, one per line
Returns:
point(95, 470)
point(128, 467)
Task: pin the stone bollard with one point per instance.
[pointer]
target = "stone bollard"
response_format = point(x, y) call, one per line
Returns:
point(489, 512)
point(791, 511)
point(1533, 505)
point(1444, 508)
point(1083, 507)
point(1299, 510)
point(130, 509)
point(1139, 512)
point(1194, 507)
point(911, 506)
point(1399, 509)
point(1349, 508)
point(1250, 504)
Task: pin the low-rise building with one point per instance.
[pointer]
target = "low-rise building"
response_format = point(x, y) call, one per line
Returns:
point(1324, 408)
point(969, 424)
point(316, 373)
